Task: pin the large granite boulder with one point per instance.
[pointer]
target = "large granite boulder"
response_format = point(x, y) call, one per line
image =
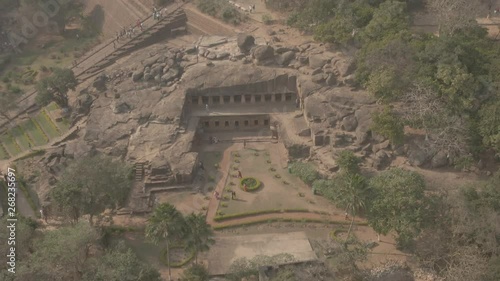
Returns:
point(263, 53)
point(439, 160)
point(285, 58)
point(245, 42)
point(318, 60)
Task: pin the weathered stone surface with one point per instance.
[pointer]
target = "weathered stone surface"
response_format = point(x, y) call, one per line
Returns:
point(136, 76)
point(316, 71)
point(305, 133)
point(345, 66)
point(211, 56)
point(383, 145)
point(285, 58)
point(121, 107)
point(380, 160)
point(318, 60)
point(363, 116)
point(417, 156)
point(349, 123)
point(245, 42)
point(148, 76)
point(318, 78)
point(439, 160)
point(263, 52)
point(331, 80)
point(171, 74)
point(150, 61)
point(222, 55)
point(100, 82)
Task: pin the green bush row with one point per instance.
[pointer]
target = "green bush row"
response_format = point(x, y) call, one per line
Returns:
point(306, 172)
point(331, 222)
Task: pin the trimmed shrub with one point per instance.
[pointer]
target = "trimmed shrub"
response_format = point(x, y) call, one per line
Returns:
point(252, 184)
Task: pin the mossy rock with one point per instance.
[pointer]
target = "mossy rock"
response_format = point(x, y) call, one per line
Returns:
point(251, 183)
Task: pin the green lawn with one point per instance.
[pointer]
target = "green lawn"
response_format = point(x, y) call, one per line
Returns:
point(46, 124)
point(21, 138)
point(52, 107)
point(63, 125)
point(279, 190)
point(3, 153)
point(10, 144)
point(36, 135)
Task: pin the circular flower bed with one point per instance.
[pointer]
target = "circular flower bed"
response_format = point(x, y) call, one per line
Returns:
point(252, 184)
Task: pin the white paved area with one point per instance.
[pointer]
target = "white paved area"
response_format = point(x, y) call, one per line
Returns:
point(228, 249)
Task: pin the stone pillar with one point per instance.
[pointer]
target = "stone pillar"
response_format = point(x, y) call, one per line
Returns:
point(273, 97)
point(221, 99)
point(231, 99)
point(200, 100)
point(252, 99)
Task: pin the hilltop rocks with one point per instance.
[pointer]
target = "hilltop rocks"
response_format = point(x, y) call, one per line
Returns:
point(245, 42)
point(263, 53)
point(285, 58)
point(318, 61)
point(439, 160)
point(349, 123)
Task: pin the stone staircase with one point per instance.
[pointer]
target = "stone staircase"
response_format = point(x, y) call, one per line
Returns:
point(139, 171)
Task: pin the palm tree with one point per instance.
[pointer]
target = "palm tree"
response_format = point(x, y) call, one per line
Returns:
point(199, 234)
point(166, 224)
point(352, 193)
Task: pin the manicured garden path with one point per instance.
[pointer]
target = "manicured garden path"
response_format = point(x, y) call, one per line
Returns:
point(251, 219)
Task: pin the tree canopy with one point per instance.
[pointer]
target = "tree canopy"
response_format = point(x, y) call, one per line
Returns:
point(90, 185)
point(56, 87)
point(399, 204)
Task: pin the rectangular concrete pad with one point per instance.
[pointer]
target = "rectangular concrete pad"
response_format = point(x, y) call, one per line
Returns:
point(228, 249)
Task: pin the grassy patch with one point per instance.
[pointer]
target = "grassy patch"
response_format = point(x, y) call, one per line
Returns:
point(63, 125)
point(21, 138)
point(47, 126)
point(38, 137)
point(10, 144)
point(256, 213)
point(30, 195)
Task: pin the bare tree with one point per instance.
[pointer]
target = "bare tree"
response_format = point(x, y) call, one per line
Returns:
point(454, 14)
point(424, 108)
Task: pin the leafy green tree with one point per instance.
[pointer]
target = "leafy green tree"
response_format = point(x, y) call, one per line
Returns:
point(61, 254)
point(196, 272)
point(400, 204)
point(120, 264)
point(390, 18)
point(166, 225)
point(25, 232)
point(199, 234)
point(312, 13)
point(489, 124)
point(56, 87)
point(349, 17)
point(348, 162)
point(90, 185)
point(388, 125)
